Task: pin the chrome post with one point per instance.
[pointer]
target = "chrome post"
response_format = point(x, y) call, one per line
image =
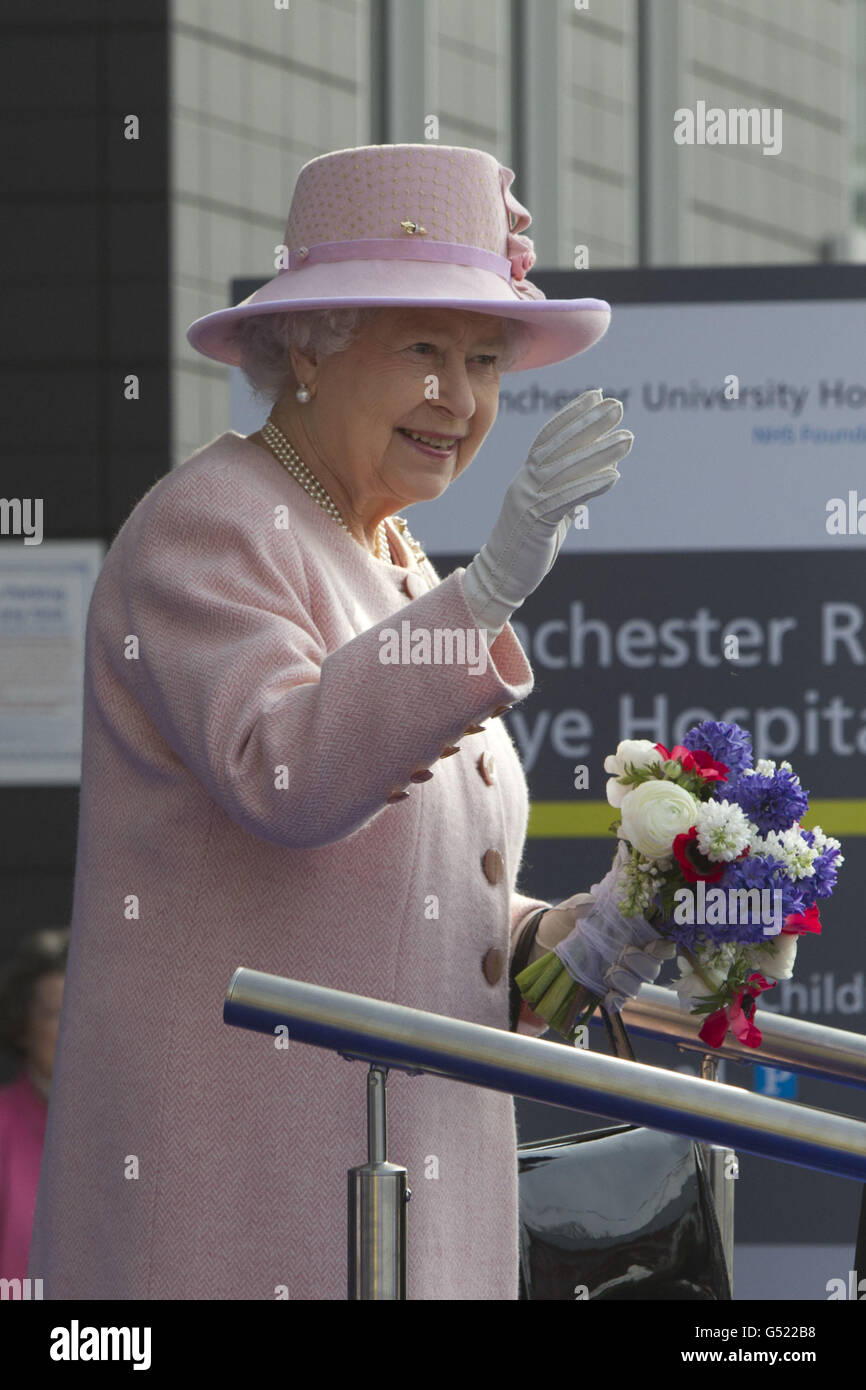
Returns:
point(378, 1194)
point(721, 1165)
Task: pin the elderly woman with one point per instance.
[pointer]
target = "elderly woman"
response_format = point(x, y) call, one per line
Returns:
point(266, 783)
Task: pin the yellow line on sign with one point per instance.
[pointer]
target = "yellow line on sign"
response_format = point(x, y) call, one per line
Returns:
point(590, 820)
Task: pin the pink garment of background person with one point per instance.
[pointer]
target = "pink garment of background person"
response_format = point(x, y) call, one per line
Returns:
point(23, 1114)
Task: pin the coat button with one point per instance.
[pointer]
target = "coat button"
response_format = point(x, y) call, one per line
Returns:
point(492, 865)
point(492, 965)
point(500, 709)
point(414, 585)
point(398, 796)
point(449, 750)
point(472, 729)
point(487, 767)
point(422, 775)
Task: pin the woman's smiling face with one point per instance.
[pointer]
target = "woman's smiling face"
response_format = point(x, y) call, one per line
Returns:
point(433, 372)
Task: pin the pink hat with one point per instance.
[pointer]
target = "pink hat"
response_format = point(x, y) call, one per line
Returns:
point(430, 226)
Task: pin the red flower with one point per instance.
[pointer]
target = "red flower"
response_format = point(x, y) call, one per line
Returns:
point(737, 1016)
point(697, 761)
point(800, 923)
point(695, 865)
point(714, 1028)
point(708, 768)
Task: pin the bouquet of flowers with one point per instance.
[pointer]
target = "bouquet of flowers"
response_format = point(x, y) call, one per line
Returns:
point(713, 862)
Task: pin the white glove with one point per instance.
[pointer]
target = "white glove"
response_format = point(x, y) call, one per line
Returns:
point(612, 955)
point(572, 459)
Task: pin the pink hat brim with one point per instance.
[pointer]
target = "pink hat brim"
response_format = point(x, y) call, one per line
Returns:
point(557, 328)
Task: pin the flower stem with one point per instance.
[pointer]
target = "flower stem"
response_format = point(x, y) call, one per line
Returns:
point(576, 1011)
point(558, 994)
point(537, 978)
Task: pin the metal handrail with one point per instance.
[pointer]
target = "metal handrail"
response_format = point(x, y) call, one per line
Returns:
point(793, 1044)
point(393, 1036)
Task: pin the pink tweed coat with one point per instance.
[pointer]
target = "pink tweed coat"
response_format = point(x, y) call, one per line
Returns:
point(241, 740)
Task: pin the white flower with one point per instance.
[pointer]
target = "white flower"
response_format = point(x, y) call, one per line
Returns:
point(724, 830)
point(821, 843)
point(637, 884)
point(789, 846)
point(767, 767)
point(654, 813)
point(715, 967)
point(635, 752)
point(776, 957)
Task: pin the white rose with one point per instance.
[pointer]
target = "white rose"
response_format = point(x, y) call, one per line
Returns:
point(654, 813)
point(776, 958)
point(637, 753)
point(690, 986)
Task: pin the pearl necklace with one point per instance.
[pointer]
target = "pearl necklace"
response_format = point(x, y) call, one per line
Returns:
point(294, 464)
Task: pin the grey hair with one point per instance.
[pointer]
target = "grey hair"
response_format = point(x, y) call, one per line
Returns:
point(264, 343)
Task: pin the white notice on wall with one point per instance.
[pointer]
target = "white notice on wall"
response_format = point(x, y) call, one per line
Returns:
point(44, 596)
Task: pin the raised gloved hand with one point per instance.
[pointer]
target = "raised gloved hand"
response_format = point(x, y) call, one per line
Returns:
point(572, 459)
point(612, 955)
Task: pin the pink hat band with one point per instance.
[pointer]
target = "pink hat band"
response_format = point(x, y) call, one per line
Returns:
point(388, 249)
point(411, 225)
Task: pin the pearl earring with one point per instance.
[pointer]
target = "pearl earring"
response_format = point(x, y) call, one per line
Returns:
point(302, 394)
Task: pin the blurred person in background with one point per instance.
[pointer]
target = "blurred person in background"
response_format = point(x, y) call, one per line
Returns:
point(31, 994)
